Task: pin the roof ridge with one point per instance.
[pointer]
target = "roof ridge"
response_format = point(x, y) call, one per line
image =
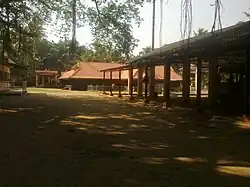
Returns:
point(75, 71)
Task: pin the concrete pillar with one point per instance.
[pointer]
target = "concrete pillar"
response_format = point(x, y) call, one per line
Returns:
point(120, 78)
point(104, 86)
point(198, 81)
point(166, 93)
point(186, 81)
point(37, 80)
point(213, 81)
point(151, 81)
point(130, 82)
point(111, 89)
point(139, 81)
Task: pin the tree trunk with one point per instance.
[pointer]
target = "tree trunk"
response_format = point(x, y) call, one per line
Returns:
point(73, 44)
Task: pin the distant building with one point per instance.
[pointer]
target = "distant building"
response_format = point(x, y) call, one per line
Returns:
point(88, 73)
point(5, 70)
point(46, 78)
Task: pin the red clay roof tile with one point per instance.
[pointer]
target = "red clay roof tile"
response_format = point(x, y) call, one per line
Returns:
point(91, 70)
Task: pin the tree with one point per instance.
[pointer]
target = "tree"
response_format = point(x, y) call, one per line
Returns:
point(247, 14)
point(111, 21)
point(101, 53)
point(145, 50)
point(200, 32)
point(15, 17)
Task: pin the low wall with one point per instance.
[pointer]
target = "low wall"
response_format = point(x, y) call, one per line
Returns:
point(4, 85)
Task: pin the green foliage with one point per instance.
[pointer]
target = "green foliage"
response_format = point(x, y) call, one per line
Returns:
point(247, 14)
point(111, 24)
point(145, 50)
point(200, 32)
point(101, 53)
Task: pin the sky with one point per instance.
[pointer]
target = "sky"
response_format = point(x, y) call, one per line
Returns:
point(203, 14)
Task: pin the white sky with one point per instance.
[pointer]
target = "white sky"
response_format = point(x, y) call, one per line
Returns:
point(202, 18)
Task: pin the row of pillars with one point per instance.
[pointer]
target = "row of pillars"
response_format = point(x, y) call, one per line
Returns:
point(150, 81)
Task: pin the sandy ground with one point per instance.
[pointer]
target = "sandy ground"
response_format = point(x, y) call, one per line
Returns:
point(74, 139)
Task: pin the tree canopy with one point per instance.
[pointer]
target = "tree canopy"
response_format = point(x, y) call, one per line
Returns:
point(200, 32)
point(247, 14)
point(23, 36)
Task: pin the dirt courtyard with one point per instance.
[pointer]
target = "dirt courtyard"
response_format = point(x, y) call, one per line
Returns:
point(52, 138)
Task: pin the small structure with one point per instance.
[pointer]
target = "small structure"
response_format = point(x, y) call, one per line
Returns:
point(6, 84)
point(5, 71)
point(4, 77)
point(46, 78)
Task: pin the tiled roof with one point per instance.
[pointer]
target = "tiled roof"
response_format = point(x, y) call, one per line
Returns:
point(67, 74)
point(159, 74)
point(91, 70)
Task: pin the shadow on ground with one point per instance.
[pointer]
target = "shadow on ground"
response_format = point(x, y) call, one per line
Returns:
point(91, 140)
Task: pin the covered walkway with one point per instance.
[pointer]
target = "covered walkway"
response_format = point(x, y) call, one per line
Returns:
point(226, 55)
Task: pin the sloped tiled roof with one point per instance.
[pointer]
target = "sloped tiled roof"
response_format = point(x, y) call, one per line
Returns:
point(91, 70)
point(159, 74)
point(67, 74)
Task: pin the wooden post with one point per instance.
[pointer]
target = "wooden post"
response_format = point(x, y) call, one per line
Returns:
point(42, 80)
point(146, 85)
point(198, 81)
point(166, 93)
point(186, 81)
point(152, 81)
point(111, 90)
point(120, 78)
point(130, 82)
point(213, 81)
point(37, 80)
point(104, 86)
point(139, 81)
point(247, 84)
point(49, 80)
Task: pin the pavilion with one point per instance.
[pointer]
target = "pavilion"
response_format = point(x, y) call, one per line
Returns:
point(46, 78)
point(225, 53)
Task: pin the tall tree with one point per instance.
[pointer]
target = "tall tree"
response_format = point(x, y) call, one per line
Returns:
point(145, 50)
point(247, 14)
point(200, 32)
point(111, 21)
